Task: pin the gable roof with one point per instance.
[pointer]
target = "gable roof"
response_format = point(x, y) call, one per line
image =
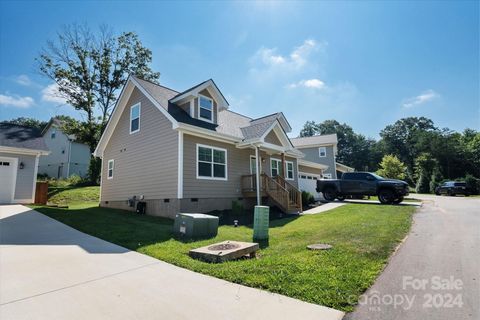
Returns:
point(305, 142)
point(17, 136)
point(193, 91)
point(230, 125)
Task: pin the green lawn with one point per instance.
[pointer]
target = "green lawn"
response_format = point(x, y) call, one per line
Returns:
point(74, 195)
point(363, 237)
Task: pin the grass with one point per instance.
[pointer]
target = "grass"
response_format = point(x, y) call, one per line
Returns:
point(363, 237)
point(74, 195)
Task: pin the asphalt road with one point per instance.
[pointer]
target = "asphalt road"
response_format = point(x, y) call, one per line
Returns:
point(435, 274)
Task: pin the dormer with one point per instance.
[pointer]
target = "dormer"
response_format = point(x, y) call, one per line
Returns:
point(202, 102)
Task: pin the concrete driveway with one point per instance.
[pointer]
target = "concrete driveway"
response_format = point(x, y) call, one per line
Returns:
point(51, 271)
point(436, 273)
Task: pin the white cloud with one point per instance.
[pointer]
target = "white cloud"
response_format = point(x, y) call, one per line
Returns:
point(422, 98)
point(310, 83)
point(16, 101)
point(51, 94)
point(269, 58)
point(23, 80)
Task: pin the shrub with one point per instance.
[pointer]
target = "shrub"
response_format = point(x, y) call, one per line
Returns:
point(423, 184)
point(237, 208)
point(391, 167)
point(307, 198)
point(473, 184)
point(436, 179)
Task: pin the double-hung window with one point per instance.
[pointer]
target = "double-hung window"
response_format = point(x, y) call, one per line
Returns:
point(111, 164)
point(135, 118)
point(275, 167)
point(322, 152)
point(211, 163)
point(205, 108)
point(289, 173)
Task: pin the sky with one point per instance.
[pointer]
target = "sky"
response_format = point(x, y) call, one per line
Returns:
point(367, 64)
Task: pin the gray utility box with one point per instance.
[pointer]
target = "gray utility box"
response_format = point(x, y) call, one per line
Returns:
point(195, 225)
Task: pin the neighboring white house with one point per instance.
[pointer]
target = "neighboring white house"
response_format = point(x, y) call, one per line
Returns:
point(67, 156)
point(20, 150)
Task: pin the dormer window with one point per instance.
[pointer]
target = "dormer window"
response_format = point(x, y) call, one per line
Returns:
point(205, 106)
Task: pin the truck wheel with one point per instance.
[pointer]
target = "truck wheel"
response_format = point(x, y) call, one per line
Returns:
point(398, 200)
point(386, 196)
point(329, 194)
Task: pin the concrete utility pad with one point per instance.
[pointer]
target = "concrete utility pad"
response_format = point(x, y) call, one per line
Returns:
point(224, 251)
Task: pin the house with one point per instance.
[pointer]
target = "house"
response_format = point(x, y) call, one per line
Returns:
point(20, 150)
point(320, 149)
point(187, 152)
point(68, 157)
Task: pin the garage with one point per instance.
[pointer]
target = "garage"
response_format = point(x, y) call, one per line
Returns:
point(308, 182)
point(8, 169)
point(20, 150)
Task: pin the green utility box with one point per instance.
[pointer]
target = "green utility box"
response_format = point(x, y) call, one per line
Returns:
point(195, 226)
point(261, 220)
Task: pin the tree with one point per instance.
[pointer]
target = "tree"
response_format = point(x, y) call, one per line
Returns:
point(401, 138)
point(28, 122)
point(391, 167)
point(424, 169)
point(89, 70)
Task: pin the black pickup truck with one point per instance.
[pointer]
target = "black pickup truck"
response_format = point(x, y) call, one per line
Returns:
point(363, 184)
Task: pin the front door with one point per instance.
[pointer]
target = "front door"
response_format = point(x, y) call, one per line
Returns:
point(8, 175)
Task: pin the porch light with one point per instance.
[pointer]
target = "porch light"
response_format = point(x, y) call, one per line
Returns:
point(21, 165)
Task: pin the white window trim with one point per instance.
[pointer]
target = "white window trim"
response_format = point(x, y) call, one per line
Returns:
point(320, 152)
point(286, 171)
point(199, 107)
point(226, 163)
point(278, 168)
point(139, 116)
point(108, 168)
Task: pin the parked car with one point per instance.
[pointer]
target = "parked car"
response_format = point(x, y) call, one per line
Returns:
point(452, 188)
point(363, 184)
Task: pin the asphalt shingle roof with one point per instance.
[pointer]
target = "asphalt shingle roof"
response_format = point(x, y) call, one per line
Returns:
point(229, 122)
point(17, 136)
point(314, 140)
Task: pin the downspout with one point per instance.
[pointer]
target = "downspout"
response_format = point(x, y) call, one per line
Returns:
point(69, 157)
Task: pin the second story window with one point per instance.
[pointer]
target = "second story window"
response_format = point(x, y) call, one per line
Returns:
point(135, 118)
point(205, 108)
point(53, 134)
point(322, 152)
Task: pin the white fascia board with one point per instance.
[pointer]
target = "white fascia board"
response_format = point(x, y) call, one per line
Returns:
point(24, 151)
point(207, 85)
point(207, 134)
point(312, 164)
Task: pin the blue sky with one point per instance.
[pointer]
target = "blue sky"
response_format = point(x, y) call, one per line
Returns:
point(363, 63)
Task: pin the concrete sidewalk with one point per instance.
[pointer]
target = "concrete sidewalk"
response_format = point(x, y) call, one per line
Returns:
point(323, 208)
point(51, 271)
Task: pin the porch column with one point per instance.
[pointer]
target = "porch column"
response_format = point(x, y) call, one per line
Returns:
point(284, 167)
point(257, 175)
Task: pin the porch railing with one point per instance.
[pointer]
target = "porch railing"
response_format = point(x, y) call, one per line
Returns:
point(280, 191)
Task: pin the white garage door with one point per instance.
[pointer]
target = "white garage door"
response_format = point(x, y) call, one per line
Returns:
point(308, 182)
point(8, 169)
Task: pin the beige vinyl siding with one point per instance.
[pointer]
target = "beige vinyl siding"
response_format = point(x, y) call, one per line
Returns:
point(186, 107)
point(146, 161)
point(238, 164)
point(272, 138)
